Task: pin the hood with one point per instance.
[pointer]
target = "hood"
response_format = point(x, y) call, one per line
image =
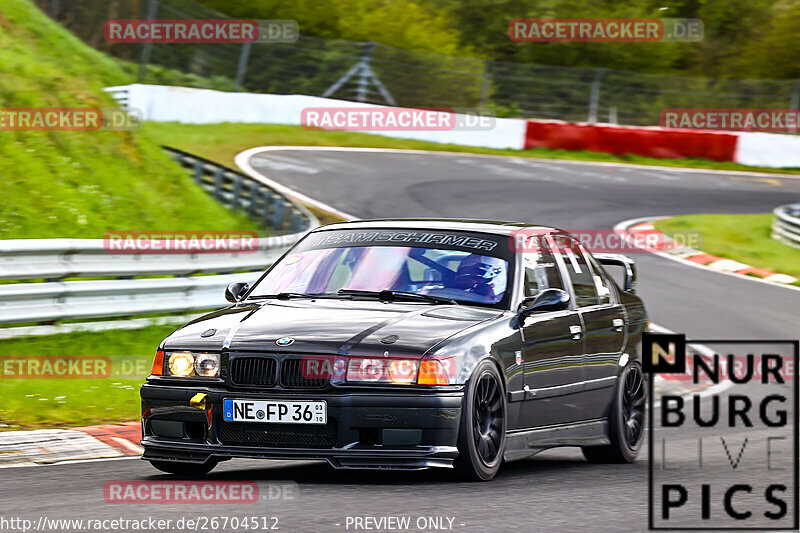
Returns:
point(345, 327)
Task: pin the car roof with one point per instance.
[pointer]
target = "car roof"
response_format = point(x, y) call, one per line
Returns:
point(496, 227)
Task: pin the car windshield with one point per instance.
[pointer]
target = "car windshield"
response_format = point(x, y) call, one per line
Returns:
point(460, 275)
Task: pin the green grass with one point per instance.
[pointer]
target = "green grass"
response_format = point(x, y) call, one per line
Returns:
point(744, 238)
point(221, 142)
point(82, 184)
point(33, 403)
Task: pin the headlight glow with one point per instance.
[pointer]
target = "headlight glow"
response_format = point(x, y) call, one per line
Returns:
point(181, 364)
point(185, 364)
point(207, 365)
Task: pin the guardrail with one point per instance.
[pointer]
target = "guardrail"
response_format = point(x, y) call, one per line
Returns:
point(239, 191)
point(197, 281)
point(56, 300)
point(786, 224)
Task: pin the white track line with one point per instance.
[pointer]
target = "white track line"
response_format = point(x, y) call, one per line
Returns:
point(243, 161)
point(71, 462)
point(253, 151)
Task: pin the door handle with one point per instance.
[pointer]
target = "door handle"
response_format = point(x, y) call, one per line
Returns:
point(576, 332)
point(618, 323)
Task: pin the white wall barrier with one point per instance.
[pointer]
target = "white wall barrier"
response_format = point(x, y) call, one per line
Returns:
point(202, 106)
point(767, 150)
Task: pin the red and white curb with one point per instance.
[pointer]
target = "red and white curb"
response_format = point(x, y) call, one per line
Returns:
point(644, 228)
point(48, 446)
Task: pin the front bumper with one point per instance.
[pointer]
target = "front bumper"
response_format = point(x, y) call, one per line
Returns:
point(369, 429)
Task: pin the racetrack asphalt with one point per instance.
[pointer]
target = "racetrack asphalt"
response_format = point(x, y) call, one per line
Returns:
point(554, 491)
point(571, 196)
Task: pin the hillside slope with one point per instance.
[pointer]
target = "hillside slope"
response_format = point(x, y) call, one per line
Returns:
point(82, 184)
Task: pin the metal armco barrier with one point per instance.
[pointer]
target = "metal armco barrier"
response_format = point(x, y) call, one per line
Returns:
point(235, 190)
point(786, 224)
point(47, 267)
point(54, 260)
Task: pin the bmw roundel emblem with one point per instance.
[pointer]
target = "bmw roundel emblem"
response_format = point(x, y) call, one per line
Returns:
point(284, 341)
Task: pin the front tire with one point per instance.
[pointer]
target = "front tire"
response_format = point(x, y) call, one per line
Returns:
point(185, 469)
point(626, 420)
point(482, 432)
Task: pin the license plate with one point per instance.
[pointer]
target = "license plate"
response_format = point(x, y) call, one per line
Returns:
point(275, 411)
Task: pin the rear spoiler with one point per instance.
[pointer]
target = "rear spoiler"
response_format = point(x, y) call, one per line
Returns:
point(625, 262)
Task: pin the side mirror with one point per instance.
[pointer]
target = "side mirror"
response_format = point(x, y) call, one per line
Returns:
point(622, 261)
point(236, 290)
point(547, 300)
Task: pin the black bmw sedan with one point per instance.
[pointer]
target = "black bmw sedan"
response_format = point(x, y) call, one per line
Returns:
point(408, 344)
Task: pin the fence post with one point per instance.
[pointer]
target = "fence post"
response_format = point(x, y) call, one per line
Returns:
point(242, 68)
point(794, 102)
point(487, 80)
point(297, 222)
point(277, 220)
point(594, 99)
point(237, 191)
point(152, 8)
point(268, 199)
point(218, 183)
point(251, 209)
point(198, 172)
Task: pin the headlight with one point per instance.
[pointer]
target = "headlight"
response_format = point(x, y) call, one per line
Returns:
point(181, 364)
point(189, 364)
point(207, 365)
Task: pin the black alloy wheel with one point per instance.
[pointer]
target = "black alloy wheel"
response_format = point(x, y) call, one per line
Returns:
point(482, 433)
point(488, 419)
point(633, 404)
point(626, 420)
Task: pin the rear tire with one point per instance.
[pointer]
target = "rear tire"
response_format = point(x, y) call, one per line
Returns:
point(185, 469)
point(482, 432)
point(626, 420)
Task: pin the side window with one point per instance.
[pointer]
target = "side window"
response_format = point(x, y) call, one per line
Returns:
point(583, 279)
point(541, 272)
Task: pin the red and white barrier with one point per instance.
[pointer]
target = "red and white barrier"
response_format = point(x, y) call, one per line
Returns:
point(620, 140)
point(747, 148)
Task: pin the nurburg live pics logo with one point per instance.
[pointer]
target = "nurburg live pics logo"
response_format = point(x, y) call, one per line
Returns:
point(723, 433)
